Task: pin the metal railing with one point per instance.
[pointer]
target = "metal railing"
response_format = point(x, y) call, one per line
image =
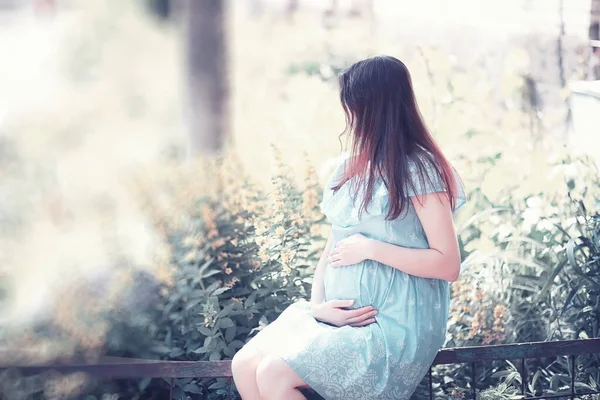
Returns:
point(123, 368)
point(521, 351)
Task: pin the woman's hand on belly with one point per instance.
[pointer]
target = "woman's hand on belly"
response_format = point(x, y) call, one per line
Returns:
point(352, 250)
point(333, 312)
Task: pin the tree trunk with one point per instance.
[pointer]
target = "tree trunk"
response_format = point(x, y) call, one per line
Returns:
point(594, 61)
point(595, 13)
point(291, 8)
point(207, 82)
point(160, 8)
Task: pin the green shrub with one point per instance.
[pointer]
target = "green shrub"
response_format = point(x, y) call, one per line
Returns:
point(531, 265)
point(233, 256)
point(232, 261)
point(501, 392)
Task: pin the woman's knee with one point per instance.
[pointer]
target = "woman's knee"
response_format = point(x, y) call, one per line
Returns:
point(274, 376)
point(245, 361)
point(268, 374)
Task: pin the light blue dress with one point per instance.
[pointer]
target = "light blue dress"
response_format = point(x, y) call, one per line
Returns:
point(383, 360)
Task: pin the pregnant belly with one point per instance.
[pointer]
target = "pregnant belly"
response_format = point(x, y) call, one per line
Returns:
point(366, 283)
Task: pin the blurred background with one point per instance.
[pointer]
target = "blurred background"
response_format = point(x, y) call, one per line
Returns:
point(162, 161)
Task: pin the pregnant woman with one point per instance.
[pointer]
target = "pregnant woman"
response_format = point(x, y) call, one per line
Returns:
point(380, 296)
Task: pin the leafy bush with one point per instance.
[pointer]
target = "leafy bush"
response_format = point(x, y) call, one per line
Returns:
point(573, 291)
point(530, 274)
point(581, 307)
point(235, 258)
point(232, 255)
point(501, 392)
point(520, 242)
point(478, 314)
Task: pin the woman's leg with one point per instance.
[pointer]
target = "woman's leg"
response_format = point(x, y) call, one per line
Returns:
point(243, 368)
point(277, 380)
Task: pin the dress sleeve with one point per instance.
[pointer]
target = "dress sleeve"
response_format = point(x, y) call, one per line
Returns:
point(333, 177)
point(432, 182)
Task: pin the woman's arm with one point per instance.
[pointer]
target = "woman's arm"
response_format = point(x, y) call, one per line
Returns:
point(441, 260)
point(318, 287)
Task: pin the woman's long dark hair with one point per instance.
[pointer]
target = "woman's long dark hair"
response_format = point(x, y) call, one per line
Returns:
point(388, 132)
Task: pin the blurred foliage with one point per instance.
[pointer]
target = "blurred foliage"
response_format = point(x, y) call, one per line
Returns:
point(233, 257)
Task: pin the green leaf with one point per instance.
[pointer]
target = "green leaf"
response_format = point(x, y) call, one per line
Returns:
point(534, 380)
point(227, 309)
point(226, 323)
point(193, 303)
point(584, 386)
point(161, 348)
point(205, 331)
point(176, 353)
point(512, 377)
point(220, 291)
point(567, 303)
point(547, 286)
point(555, 381)
point(571, 249)
point(210, 273)
point(230, 333)
point(219, 384)
point(192, 388)
point(238, 344)
point(215, 356)
point(212, 287)
point(263, 321)
point(203, 268)
point(229, 351)
point(200, 350)
point(144, 384)
point(213, 303)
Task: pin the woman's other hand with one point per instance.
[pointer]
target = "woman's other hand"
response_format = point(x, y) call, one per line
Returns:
point(351, 250)
point(334, 313)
